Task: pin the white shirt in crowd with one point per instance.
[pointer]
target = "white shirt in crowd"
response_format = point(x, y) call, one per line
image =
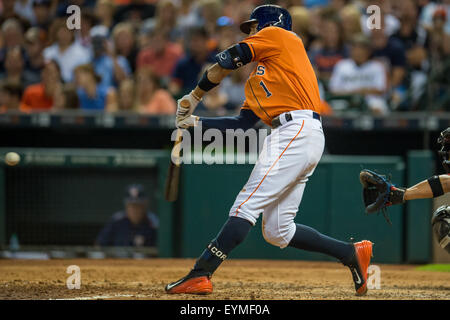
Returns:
point(68, 60)
point(348, 77)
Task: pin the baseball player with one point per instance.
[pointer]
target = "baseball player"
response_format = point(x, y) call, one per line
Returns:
point(378, 193)
point(282, 91)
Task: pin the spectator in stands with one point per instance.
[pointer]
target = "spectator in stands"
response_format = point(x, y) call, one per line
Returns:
point(300, 24)
point(411, 33)
point(133, 227)
point(9, 12)
point(160, 55)
point(83, 36)
point(65, 51)
point(34, 46)
point(439, 50)
point(227, 33)
point(12, 32)
point(165, 21)
point(187, 15)
point(134, 12)
point(42, 14)
point(91, 93)
point(233, 86)
point(359, 75)
point(113, 68)
point(350, 17)
point(10, 94)
point(41, 96)
point(408, 95)
point(15, 69)
point(391, 52)
point(187, 69)
point(210, 11)
point(413, 95)
point(24, 8)
point(439, 39)
point(331, 47)
point(151, 98)
point(61, 10)
point(215, 102)
point(12, 37)
point(125, 43)
point(67, 99)
point(127, 95)
point(104, 12)
point(428, 14)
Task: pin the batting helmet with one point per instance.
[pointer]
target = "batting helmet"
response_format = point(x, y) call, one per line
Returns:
point(268, 15)
point(441, 226)
point(444, 153)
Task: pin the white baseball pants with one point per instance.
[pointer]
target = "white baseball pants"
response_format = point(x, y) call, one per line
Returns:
point(275, 187)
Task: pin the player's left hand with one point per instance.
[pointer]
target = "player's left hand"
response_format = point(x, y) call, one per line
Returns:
point(190, 121)
point(186, 106)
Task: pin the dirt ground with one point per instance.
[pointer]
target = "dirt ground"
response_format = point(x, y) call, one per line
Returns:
point(236, 279)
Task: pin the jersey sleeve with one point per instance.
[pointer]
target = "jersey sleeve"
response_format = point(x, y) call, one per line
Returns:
point(265, 43)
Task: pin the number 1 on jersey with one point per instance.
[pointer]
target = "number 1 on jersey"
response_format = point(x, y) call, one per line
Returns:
point(268, 93)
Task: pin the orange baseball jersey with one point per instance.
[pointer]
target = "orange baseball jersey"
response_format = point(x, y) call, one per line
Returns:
point(284, 79)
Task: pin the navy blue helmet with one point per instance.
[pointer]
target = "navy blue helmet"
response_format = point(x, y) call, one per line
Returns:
point(268, 15)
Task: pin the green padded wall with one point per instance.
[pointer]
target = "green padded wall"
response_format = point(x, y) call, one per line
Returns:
point(332, 204)
point(418, 217)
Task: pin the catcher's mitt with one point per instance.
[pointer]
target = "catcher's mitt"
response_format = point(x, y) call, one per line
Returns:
point(379, 193)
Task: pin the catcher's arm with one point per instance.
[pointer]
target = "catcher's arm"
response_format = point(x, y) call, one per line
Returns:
point(423, 189)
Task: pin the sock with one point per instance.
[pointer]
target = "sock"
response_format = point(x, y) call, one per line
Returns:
point(230, 236)
point(306, 238)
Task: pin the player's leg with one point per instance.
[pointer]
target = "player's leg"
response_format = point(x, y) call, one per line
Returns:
point(198, 281)
point(279, 229)
point(259, 191)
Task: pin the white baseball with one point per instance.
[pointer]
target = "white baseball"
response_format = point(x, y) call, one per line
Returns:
point(12, 158)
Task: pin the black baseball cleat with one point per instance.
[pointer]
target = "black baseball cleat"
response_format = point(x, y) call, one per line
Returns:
point(193, 283)
point(360, 265)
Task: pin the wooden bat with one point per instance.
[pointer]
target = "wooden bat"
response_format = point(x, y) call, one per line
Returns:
point(173, 174)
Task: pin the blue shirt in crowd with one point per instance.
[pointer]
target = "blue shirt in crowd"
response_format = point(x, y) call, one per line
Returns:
point(187, 70)
point(96, 103)
point(104, 67)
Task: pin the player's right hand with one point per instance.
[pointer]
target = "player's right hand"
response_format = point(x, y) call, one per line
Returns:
point(190, 121)
point(186, 106)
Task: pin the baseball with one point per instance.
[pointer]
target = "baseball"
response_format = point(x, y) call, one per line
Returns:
point(12, 158)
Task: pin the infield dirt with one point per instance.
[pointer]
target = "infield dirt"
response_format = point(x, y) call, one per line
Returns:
point(236, 279)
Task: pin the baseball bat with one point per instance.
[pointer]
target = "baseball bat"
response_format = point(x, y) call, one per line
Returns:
point(173, 174)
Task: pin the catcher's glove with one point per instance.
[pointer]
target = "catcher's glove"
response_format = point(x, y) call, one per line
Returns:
point(379, 193)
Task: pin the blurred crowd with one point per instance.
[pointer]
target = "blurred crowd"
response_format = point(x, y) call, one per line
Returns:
point(141, 55)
